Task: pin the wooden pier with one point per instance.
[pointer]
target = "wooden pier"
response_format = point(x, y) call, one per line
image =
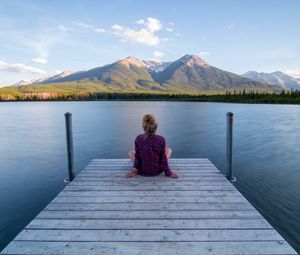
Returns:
point(101, 212)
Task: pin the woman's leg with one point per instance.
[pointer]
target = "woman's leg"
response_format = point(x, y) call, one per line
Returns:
point(132, 155)
point(168, 152)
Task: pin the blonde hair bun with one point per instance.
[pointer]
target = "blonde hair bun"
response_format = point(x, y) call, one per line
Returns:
point(149, 124)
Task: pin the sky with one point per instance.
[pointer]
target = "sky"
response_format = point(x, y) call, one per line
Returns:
point(41, 38)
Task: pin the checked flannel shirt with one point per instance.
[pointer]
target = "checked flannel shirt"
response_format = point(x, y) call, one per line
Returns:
point(150, 155)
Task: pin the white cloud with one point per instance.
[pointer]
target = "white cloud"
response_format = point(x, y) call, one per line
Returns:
point(169, 29)
point(203, 53)
point(42, 61)
point(20, 68)
point(153, 25)
point(145, 35)
point(171, 23)
point(140, 21)
point(294, 73)
point(158, 54)
point(92, 27)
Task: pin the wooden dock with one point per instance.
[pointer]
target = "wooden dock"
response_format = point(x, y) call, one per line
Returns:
point(101, 212)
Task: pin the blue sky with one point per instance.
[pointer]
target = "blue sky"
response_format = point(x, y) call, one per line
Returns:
point(40, 38)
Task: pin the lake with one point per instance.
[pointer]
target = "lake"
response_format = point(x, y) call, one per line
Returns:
point(266, 154)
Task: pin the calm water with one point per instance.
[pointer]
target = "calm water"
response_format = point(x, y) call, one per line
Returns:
point(33, 153)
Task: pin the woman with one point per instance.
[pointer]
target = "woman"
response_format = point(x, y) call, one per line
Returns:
point(150, 156)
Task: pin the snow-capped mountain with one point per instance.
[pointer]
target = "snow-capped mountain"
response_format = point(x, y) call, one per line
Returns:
point(274, 78)
point(155, 67)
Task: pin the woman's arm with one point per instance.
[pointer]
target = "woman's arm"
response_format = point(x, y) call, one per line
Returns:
point(164, 161)
point(138, 159)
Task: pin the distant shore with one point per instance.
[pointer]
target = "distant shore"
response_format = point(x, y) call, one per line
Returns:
point(251, 97)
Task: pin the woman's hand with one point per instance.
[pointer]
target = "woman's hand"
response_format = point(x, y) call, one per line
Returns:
point(174, 176)
point(132, 173)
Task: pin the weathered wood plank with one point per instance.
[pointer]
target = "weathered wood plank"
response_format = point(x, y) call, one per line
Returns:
point(133, 182)
point(154, 178)
point(145, 235)
point(177, 166)
point(150, 248)
point(177, 160)
point(62, 199)
point(149, 206)
point(122, 173)
point(153, 193)
point(150, 224)
point(150, 188)
point(130, 214)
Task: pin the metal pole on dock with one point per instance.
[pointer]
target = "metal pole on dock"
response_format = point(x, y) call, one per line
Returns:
point(230, 176)
point(69, 135)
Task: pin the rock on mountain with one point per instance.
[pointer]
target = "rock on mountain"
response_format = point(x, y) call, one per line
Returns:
point(155, 67)
point(276, 78)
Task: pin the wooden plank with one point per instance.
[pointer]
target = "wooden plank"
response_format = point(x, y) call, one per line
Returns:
point(185, 160)
point(62, 199)
point(122, 174)
point(153, 193)
point(149, 206)
point(150, 188)
point(177, 166)
point(124, 171)
point(135, 183)
point(146, 235)
point(150, 224)
point(154, 178)
point(150, 248)
point(130, 214)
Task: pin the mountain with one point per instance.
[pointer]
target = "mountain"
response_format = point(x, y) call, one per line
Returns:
point(276, 78)
point(129, 73)
point(189, 73)
point(194, 73)
point(22, 83)
point(55, 77)
point(44, 80)
point(295, 73)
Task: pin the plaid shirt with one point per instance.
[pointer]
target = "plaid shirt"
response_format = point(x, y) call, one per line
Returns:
point(150, 155)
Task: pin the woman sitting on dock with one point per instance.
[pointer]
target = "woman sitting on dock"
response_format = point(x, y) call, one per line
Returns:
point(150, 156)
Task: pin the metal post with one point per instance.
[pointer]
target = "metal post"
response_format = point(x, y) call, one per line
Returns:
point(230, 176)
point(69, 134)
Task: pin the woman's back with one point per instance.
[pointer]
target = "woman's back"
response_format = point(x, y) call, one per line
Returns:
point(150, 157)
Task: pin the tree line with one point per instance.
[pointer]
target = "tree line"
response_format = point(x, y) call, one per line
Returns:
point(285, 97)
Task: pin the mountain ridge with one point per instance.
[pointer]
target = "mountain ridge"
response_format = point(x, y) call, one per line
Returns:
point(188, 73)
point(277, 78)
